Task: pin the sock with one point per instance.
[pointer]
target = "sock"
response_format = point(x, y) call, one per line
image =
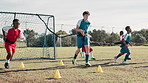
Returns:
point(126, 57)
point(91, 55)
point(7, 61)
point(83, 53)
point(75, 56)
point(118, 56)
point(87, 58)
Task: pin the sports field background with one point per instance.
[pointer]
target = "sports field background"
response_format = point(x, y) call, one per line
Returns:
point(42, 71)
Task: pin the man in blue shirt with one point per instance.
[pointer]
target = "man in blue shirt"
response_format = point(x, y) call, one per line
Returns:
point(82, 37)
point(124, 45)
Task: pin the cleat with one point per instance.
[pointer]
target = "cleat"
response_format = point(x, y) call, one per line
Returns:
point(125, 63)
point(6, 65)
point(115, 59)
point(74, 61)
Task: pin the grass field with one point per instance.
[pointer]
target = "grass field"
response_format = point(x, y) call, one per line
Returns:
point(42, 71)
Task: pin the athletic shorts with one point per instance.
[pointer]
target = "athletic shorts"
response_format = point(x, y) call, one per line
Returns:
point(124, 49)
point(81, 42)
point(10, 47)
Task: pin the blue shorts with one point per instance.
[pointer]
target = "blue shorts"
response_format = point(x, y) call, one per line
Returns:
point(124, 49)
point(81, 42)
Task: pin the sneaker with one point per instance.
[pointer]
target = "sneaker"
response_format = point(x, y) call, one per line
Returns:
point(129, 58)
point(125, 63)
point(88, 64)
point(6, 65)
point(74, 61)
point(115, 59)
point(93, 58)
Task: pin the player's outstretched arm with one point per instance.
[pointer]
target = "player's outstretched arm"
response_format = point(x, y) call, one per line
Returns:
point(4, 36)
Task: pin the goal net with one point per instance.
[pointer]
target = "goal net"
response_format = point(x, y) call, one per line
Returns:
point(38, 30)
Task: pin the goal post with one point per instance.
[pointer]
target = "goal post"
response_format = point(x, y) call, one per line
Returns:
point(39, 31)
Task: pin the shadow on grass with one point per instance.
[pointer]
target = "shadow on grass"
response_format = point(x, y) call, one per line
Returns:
point(53, 61)
point(110, 64)
point(41, 61)
point(51, 79)
point(65, 58)
point(141, 67)
point(103, 60)
point(48, 68)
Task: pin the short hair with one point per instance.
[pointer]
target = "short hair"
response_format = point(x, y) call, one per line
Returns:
point(127, 28)
point(86, 12)
point(121, 32)
point(15, 20)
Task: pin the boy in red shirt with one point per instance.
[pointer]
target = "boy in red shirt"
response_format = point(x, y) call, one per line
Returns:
point(10, 36)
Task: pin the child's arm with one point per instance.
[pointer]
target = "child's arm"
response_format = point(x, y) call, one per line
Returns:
point(80, 30)
point(4, 36)
point(21, 37)
point(125, 43)
point(130, 44)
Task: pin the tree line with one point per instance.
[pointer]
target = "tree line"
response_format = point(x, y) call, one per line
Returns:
point(98, 38)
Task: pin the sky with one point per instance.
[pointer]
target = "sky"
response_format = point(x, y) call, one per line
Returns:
point(109, 15)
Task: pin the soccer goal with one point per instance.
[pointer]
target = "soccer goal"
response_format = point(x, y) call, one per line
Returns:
point(39, 31)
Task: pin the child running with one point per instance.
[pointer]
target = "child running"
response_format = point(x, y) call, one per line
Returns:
point(121, 37)
point(10, 36)
point(124, 46)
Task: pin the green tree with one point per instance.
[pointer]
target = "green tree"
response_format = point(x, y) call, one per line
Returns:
point(98, 35)
point(31, 37)
point(60, 32)
point(137, 37)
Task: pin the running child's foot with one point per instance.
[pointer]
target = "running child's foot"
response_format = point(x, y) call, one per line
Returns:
point(6, 65)
point(125, 63)
point(115, 59)
point(129, 58)
point(74, 61)
point(88, 65)
point(93, 58)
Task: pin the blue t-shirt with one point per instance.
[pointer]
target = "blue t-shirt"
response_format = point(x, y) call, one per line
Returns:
point(83, 25)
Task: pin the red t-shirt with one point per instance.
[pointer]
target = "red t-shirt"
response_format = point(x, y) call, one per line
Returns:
point(13, 34)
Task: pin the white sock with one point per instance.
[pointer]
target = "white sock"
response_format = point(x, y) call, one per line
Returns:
point(7, 61)
point(83, 53)
point(91, 55)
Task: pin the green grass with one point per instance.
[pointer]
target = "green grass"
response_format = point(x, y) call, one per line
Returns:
point(42, 71)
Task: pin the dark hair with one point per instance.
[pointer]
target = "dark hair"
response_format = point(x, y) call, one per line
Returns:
point(121, 32)
point(15, 20)
point(127, 28)
point(86, 12)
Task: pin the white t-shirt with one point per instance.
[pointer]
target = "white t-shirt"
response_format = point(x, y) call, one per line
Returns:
point(79, 22)
point(121, 37)
point(5, 29)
